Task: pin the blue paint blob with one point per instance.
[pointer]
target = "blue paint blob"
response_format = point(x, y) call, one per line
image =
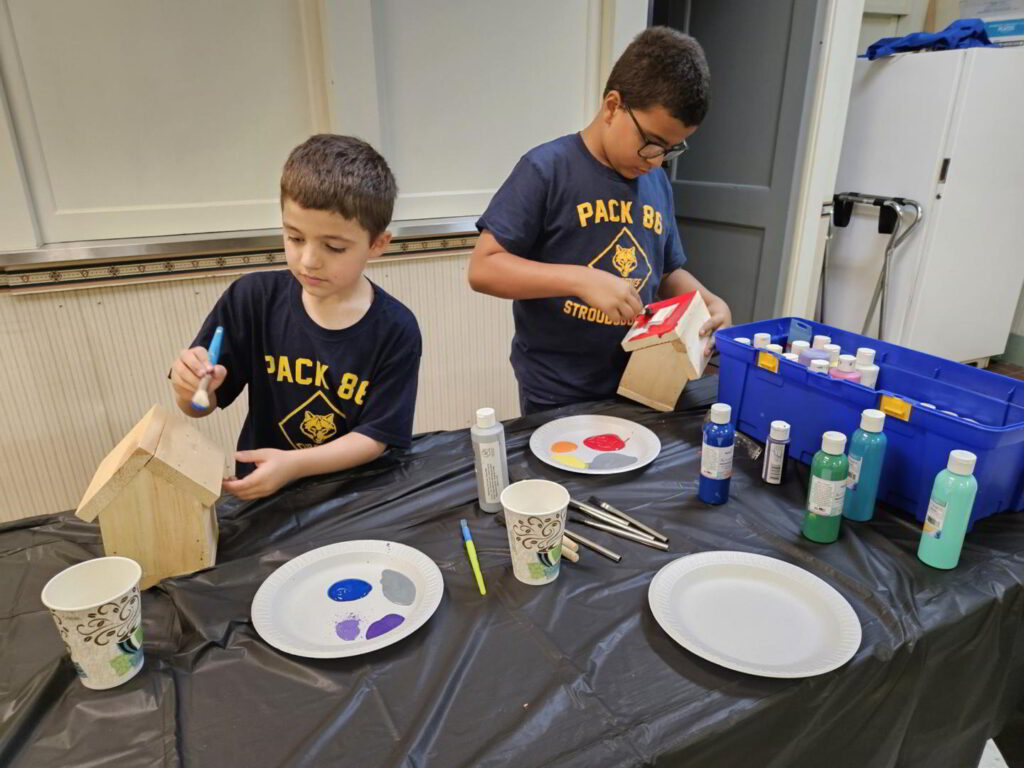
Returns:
point(348, 589)
point(381, 626)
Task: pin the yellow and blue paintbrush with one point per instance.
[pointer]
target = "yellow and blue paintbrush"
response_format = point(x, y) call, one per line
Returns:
point(471, 549)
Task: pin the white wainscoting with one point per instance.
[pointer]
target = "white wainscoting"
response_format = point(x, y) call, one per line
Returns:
point(81, 367)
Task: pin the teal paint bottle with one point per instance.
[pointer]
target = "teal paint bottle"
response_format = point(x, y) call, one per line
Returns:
point(866, 457)
point(827, 490)
point(949, 511)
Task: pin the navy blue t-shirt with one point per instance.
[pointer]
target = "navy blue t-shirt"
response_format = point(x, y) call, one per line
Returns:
point(561, 206)
point(309, 385)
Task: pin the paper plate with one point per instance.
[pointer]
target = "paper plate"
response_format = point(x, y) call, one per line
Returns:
point(346, 599)
point(595, 445)
point(754, 614)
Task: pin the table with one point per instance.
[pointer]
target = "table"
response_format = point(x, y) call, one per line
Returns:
point(577, 673)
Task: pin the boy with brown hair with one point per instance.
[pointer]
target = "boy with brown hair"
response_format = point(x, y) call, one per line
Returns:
point(582, 235)
point(330, 359)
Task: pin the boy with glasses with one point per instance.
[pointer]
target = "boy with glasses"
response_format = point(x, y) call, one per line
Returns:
point(582, 236)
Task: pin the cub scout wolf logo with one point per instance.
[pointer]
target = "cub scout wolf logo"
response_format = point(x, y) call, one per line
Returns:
point(314, 422)
point(624, 257)
point(318, 427)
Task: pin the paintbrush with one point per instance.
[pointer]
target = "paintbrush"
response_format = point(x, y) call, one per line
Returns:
point(597, 514)
point(619, 513)
point(592, 545)
point(639, 538)
point(201, 398)
point(467, 537)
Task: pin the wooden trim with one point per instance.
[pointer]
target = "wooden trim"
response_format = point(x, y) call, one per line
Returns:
point(131, 271)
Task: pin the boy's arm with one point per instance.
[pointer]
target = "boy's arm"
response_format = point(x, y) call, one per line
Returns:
point(276, 468)
point(495, 271)
point(679, 281)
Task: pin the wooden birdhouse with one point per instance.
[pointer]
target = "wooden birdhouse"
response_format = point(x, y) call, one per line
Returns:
point(666, 351)
point(154, 496)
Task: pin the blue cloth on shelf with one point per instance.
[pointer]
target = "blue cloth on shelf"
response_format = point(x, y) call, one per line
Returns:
point(962, 33)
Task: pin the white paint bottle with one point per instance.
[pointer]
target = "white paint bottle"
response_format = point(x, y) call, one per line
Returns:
point(833, 354)
point(865, 356)
point(868, 374)
point(489, 459)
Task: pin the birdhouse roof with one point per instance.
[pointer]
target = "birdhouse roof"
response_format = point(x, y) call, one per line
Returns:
point(166, 446)
point(677, 319)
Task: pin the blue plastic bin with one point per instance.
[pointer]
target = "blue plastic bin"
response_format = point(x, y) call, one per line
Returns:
point(918, 445)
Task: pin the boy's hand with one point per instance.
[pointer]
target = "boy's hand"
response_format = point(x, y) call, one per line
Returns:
point(613, 295)
point(274, 469)
point(721, 317)
point(189, 368)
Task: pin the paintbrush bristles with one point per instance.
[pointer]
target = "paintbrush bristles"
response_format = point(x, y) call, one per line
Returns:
point(201, 399)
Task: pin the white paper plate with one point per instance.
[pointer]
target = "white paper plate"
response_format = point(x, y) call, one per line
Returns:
point(754, 614)
point(641, 445)
point(294, 610)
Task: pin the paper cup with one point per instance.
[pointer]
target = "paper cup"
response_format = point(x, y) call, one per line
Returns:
point(96, 607)
point(535, 520)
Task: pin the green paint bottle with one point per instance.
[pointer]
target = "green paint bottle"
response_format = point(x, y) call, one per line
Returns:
point(826, 493)
point(949, 511)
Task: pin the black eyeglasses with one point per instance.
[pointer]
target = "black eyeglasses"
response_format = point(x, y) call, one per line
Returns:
point(651, 150)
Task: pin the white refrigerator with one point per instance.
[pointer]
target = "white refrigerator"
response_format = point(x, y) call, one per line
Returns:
point(945, 129)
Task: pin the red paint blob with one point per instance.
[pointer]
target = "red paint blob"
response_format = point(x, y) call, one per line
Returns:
point(607, 442)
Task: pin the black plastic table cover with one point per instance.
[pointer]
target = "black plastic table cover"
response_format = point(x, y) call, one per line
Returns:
point(576, 673)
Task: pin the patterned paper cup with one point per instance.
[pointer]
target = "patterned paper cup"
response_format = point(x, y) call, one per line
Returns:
point(96, 607)
point(535, 520)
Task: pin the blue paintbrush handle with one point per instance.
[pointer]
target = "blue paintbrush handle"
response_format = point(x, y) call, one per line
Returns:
point(218, 338)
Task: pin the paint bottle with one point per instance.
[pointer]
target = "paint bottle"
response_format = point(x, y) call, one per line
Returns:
point(868, 374)
point(799, 346)
point(489, 459)
point(762, 340)
point(820, 341)
point(742, 340)
point(716, 456)
point(819, 365)
point(827, 491)
point(808, 356)
point(833, 354)
point(775, 349)
point(865, 356)
point(775, 468)
point(845, 370)
point(866, 457)
point(791, 356)
point(949, 511)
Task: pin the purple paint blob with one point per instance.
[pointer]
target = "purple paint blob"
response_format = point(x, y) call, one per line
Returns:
point(348, 589)
point(381, 626)
point(347, 629)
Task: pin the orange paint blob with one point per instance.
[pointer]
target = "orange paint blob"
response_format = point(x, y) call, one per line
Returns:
point(563, 446)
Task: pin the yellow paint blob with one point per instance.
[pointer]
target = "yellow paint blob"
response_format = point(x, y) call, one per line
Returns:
point(569, 461)
point(563, 446)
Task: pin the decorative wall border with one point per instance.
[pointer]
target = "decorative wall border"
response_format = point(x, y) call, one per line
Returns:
point(78, 275)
